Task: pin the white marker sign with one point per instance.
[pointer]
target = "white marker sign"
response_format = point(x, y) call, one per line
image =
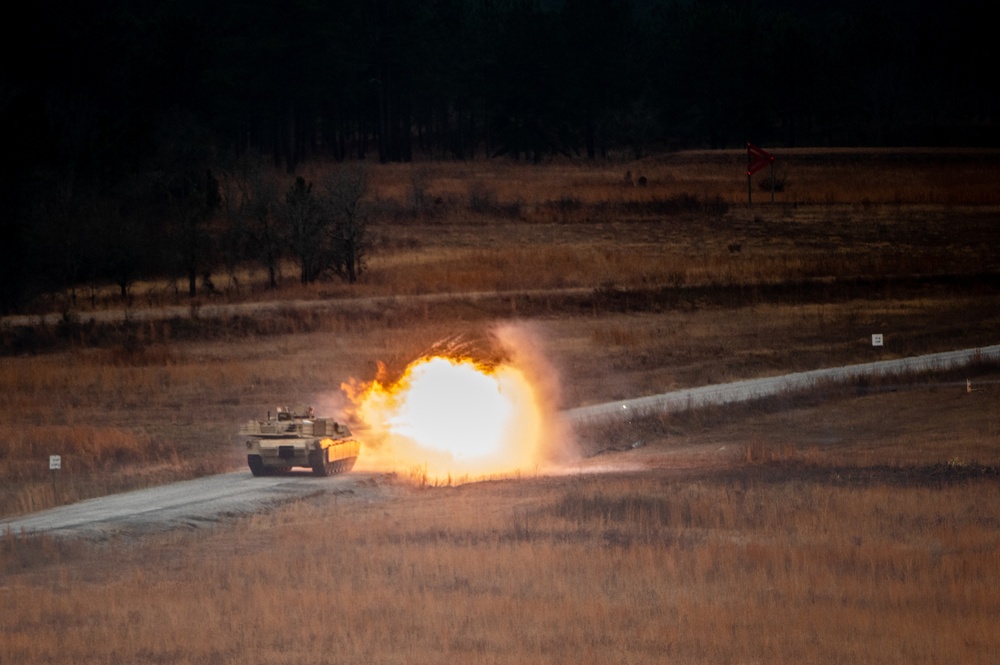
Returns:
point(55, 462)
point(877, 339)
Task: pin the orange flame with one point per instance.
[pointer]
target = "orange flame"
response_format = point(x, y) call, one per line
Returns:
point(450, 417)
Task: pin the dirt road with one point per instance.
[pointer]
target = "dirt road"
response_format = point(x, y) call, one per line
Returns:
point(206, 501)
point(741, 391)
point(221, 310)
point(192, 503)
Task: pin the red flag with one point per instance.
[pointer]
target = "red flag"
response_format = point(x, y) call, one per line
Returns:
point(757, 158)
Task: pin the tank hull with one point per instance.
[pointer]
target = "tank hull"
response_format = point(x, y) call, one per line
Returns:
point(322, 445)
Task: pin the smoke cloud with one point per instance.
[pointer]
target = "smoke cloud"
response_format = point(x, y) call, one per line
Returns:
point(469, 408)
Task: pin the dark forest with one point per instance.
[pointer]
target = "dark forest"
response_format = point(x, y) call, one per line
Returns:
point(117, 110)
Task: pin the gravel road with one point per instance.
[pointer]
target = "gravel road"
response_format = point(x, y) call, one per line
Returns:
point(188, 504)
point(741, 391)
point(222, 310)
point(206, 501)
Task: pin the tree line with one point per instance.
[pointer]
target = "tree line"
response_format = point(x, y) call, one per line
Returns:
point(190, 224)
point(120, 107)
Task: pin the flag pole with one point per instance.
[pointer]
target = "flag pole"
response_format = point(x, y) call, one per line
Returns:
point(757, 159)
point(772, 181)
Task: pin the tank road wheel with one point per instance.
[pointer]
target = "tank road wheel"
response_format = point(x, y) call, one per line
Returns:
point(256, 465)
point(345, 465)
point(321, 466)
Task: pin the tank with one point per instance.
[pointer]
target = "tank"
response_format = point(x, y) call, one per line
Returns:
point(298, 439)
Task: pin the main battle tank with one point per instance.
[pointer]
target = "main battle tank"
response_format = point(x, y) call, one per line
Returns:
point(293, 439)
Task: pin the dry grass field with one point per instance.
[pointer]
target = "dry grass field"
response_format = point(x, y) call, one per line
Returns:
point(699, 558)
point(850, 524)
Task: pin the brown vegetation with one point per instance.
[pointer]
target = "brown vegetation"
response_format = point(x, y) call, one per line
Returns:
point(741, 566)
point(849, 524)
point(633, 296)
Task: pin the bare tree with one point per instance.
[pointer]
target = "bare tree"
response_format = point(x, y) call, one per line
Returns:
point(306, 221)
point(251, 204)
point(125, 250)
point(325, 226)
point(192, 199)
point(343, 191)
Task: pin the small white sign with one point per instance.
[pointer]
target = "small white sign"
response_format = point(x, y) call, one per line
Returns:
point(55, 462)
point(877, 339)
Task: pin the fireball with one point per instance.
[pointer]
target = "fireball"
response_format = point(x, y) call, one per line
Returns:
point(450, 417)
